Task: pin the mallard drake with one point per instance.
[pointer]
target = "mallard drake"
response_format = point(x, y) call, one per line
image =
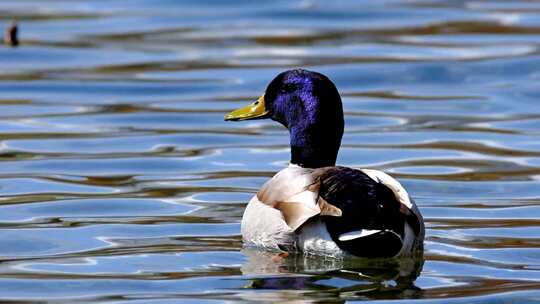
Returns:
point(313, 205)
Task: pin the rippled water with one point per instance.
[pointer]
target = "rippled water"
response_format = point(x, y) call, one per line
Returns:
point(120, 181)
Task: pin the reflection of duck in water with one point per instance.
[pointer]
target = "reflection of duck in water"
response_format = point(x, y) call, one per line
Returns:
point(314, 206)
point(344, 277)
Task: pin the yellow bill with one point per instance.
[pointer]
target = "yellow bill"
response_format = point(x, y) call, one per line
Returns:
point(255, 110)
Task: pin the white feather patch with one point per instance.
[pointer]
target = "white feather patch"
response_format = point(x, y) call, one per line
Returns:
point(263, 226)
point(306, 197)
point(314, 238)
point(291, 165)
point(401, 194)
point(356, 234)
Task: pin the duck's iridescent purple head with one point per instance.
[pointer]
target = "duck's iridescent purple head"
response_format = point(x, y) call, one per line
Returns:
point(308, 104)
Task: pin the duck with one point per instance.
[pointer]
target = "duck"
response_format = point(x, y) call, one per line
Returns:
point(313, 205)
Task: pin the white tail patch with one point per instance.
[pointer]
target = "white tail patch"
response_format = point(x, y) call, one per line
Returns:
point(356, 234)
point(401, 194)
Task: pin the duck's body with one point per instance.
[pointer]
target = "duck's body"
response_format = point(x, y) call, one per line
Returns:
point(313, 205)
point(292, 212)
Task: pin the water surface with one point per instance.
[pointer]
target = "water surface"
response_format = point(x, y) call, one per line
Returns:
point(121, 183)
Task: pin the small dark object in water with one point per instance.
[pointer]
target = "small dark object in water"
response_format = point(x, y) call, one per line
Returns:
point(10, 35)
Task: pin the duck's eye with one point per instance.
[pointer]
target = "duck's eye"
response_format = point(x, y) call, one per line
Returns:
point(256, 102)
point(288, 87)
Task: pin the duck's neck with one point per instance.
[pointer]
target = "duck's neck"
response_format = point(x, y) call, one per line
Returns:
point(315, 147)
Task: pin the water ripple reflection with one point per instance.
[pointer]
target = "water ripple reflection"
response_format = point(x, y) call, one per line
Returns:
point(120, 182)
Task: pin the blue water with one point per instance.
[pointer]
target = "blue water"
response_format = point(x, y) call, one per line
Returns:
point(120, 182)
